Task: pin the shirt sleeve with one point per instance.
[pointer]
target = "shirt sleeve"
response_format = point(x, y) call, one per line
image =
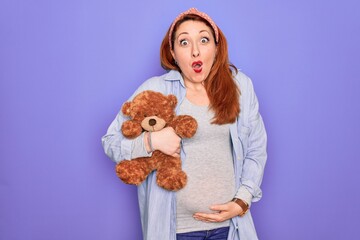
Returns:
point(255, 146)
point(115, 145)
point(119, 148)
point(244, 195)
point(138, 147)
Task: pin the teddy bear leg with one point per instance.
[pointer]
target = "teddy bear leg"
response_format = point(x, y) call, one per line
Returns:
point(134, 171)
point(169, 174)
point(171, 179)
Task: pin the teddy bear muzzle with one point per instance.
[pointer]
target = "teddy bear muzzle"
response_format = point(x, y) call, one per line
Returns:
point(153, 123)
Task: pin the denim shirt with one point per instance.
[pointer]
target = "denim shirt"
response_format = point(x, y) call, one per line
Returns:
point(248, 137)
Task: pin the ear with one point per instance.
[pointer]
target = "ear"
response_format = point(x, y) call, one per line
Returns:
point(173, 54)
point(172, 100)
point(126, 108)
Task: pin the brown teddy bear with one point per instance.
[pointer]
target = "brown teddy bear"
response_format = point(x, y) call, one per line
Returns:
point(152, 111)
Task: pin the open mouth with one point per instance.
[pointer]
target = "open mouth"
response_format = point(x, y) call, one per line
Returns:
point(197, 66)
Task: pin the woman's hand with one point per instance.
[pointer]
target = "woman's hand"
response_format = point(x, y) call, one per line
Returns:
point(224, 212)
point(166, 141)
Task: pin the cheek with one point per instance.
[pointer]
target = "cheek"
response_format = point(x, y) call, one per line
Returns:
point(210, 60)
point(181, 55)
point(210, 53)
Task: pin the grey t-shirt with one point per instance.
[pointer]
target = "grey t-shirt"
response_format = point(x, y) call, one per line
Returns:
point(209, 167)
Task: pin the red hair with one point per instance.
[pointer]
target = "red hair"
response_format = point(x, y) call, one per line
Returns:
point(220, 85)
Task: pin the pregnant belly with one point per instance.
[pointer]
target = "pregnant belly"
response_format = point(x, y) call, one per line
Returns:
point(200, 194)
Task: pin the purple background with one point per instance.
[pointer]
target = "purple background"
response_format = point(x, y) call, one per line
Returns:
point(66, 67)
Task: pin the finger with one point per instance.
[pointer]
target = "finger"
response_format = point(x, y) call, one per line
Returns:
point(199, 218)
point(205, 215)
point(208, 217)
point(207, 220)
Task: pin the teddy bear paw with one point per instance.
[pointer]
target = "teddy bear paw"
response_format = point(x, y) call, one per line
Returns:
point(171, 180)
point(131, 172)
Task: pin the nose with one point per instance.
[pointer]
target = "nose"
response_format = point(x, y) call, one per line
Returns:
point(152, 122)
point(195, 51)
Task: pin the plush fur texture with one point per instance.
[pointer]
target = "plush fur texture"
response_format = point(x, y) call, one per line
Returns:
point(152, 111)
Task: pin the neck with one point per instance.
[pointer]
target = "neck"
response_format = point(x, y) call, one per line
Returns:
point(196, 93)
point(194, 86)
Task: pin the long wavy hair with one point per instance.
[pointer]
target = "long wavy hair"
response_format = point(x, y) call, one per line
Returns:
point(220, 85)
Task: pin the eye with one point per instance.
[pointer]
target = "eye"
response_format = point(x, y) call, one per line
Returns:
point(204, 40)
point(184, 42)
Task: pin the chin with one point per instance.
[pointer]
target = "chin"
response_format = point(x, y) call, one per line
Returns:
point(199, 79)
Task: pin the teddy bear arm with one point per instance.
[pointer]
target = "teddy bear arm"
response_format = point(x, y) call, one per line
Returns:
point(184, 125)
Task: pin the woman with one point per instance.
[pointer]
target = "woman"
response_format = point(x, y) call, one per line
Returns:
point(225, 159)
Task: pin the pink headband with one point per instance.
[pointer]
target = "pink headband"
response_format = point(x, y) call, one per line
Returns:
point(200, 14)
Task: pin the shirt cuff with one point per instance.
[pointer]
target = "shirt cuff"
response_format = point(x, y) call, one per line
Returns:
point(244, 195)
point(138, 148)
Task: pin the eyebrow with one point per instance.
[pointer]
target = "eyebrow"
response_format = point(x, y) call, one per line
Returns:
point(182, 33)
point(204, 31)
point(188, 33)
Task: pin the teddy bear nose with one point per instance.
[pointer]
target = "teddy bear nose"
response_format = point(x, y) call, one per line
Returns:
point(152, 122)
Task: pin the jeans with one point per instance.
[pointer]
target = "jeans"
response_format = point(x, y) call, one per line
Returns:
point(213, 234)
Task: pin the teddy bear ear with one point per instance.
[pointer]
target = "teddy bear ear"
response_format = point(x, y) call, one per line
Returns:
point(126, 108)
point(131, 129)
point(172, 100)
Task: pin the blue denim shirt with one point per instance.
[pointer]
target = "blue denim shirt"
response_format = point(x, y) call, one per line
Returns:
point(248, 136)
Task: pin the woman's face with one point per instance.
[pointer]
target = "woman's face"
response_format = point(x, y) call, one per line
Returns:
point(194, 50)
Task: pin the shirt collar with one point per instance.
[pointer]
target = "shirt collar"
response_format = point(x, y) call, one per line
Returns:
point(174, 75)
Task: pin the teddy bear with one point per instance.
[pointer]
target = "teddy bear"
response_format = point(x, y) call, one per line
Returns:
point(152, 111)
